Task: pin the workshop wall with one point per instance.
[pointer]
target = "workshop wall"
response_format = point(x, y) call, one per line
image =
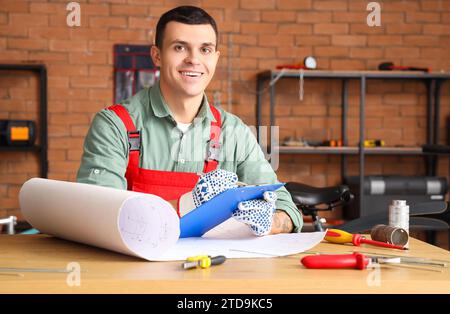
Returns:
point(256, 35)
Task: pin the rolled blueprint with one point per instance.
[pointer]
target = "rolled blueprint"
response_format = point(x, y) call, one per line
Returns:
point(131, 223)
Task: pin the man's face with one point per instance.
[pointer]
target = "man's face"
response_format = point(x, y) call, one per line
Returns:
point(188, 58)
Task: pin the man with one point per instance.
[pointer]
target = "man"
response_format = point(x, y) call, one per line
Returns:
point(156, 141)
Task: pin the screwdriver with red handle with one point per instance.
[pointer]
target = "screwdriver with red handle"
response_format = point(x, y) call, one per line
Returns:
point(355, 261)
point(340, 236)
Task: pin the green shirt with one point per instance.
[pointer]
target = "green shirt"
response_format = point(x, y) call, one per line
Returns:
point(165, 147)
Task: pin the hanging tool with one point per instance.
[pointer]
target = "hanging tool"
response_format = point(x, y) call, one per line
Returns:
point(374, 143)
point(355, 261)
point(342, 237)
point(389, 66)
point(309, 63)
point(203, 261)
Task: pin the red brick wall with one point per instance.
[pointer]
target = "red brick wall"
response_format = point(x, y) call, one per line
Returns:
point(264, 33)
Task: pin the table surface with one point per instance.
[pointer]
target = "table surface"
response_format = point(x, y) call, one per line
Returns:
point(103, 271)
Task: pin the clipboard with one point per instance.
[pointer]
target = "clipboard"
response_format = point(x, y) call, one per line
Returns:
point(220, 208)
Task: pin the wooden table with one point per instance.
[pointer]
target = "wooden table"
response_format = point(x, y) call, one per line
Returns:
point(108, 272)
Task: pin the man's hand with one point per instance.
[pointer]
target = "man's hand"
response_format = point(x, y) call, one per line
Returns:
point(281, 223)
point(212, 184)
point(258, 214)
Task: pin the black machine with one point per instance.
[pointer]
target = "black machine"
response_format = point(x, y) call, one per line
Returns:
point(17, 133)
point(379, 191)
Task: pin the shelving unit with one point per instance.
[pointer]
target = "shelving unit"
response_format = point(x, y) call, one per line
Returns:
point(432, 81)
point(41, 70)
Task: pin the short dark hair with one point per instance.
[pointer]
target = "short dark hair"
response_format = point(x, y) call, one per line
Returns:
point(187, 15)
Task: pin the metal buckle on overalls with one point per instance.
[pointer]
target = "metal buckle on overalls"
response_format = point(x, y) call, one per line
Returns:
point(213, 150)
point(134, 140)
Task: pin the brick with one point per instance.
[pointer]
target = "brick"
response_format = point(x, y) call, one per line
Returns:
point(67, 119)
point(79, 33)
point(436, 29)
point(323, 40)
point(63, 166)
point(403, 28)
point(67, 70)
point(278, 16)
point(257, 52)
point(349, 40)
point(259, 28)
point(84, 106)
point(294, 5)
point(127, 35)
point(101, 46)
point(295, 52)
point(434, 53)
point(13, 31)
point(47, 8)
point(58, 81)
point(400, 99)
point(67, 45)
point(330, 28)
point(243, 39)
point(366, 53)
point(74, 155)
point(330, 5)
point(363, 28)
point(27, 44)
point(53, 57)
point(95, 9)
point(421, 40)
point(349, 65)
point(402, 52)
point(400, 6)
point(231, 4)
point(101, 94)
point(296, 29)
point(427, 17)
point(56, 154)
point(87, 58)
point(384, 40)
point(88, 81)
point(14, 6)
point(58, 130)
point(28, 20)
point(258, 4)
point(67, 93)
point(276, 40)
point(129, 10)
point(79, 130)
point(331, 51)
point(392, 18)
point(141, 22)
point(313, 17)
point(49, 33)
point(350, 17)
point(434, 5)
point(115, 22)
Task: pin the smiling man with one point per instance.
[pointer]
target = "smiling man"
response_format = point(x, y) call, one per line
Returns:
point(159, 140)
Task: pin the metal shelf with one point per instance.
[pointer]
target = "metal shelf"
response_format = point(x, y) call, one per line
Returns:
point(41, 70)
point(432, 81)
point(349, 150)
point(35, 148)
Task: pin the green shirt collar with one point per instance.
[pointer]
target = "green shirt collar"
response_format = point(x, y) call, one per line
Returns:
point(161, 109)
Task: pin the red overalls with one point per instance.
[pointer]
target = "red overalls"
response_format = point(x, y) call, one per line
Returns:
point(169, 185)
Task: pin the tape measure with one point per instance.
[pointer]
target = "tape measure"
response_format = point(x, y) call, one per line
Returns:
point(17, 132)
point(374, 143)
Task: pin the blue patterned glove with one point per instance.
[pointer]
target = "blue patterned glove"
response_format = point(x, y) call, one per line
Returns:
point(212, 184)
point(258, 214)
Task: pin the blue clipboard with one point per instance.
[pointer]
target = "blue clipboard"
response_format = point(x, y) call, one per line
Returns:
point(220, 208)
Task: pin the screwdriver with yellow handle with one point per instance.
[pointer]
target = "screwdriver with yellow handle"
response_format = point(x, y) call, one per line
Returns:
point(342, 237)
point(203, 261)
